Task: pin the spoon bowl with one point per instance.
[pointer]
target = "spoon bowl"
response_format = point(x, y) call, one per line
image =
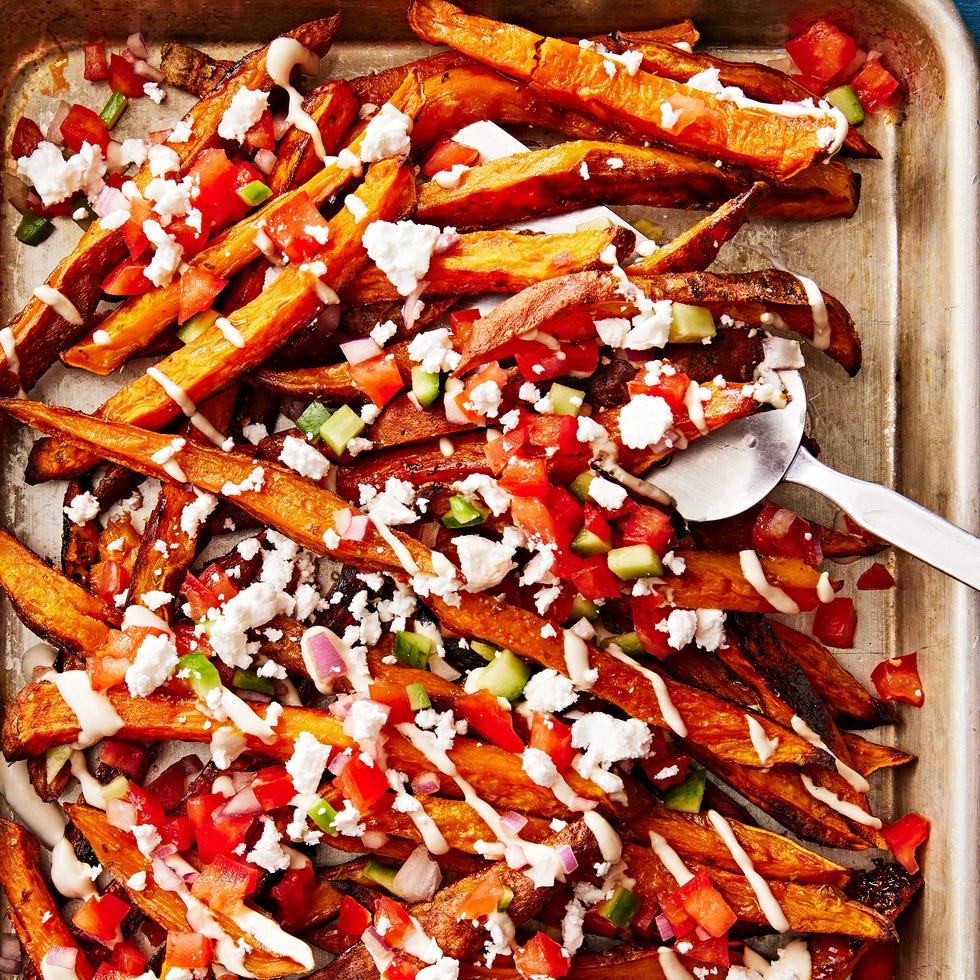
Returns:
point(733, 468)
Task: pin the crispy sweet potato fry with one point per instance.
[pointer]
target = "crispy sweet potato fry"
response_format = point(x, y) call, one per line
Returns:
point(192, 70)
point(211, 361)
point(38, 331)
point(117, 851)
point(51, 604)
point(762, 138)
point(500, 262)
point(868, 757)
point(30, 904)
point(550, 181)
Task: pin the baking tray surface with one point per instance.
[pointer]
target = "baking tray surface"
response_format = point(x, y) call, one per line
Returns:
point(906, 267)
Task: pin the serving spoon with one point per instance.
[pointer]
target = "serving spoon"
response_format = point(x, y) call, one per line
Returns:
point(729, 470)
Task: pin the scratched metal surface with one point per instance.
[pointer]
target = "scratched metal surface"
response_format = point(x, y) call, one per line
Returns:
point(905, 266)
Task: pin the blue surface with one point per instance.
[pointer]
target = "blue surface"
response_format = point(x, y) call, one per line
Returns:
point(970, 9)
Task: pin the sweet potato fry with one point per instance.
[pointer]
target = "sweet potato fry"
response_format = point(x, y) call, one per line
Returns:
point(192, 70)
point(868, 757)
point(30, 904)
point(211, 361)
point(117, 851)
point(625, 962)
point(51, 604)
point(38, 331)
point(550, 181)
point(500, 262)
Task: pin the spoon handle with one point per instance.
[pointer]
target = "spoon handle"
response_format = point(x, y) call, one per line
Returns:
point(894, 518)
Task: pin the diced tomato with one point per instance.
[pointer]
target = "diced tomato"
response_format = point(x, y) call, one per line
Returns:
point(648, 612)
point(778, 531)
point(594, 522)
point(106, 672)
point(644, 924)
point(218, 180)
point(96, 69)
point(26, 139)
point(129, 758)
point(541, 523)
point(676, 915)
point(293, 894)
point(874, 85)
point(541, 956)
point(524, 477)
point(136, 241)
point(691, 111)
point(554, 737)
point(148, 808)
point(568, 512)
point(708, 949)
point(262, 134)
point(705, 905)
point(485, 714)
point(483, 899)
point(108, 579)
point(379, 378)
point(460, 318)
point(224, 883)
point(100, 916)
point(123, 78)
point(541, 362)
point(875, 578)
point(177, 831)
point(649, 525)
point(170, 785)
point(897, 679)
point(218, 581)
point(199, 287)
point(361, 782)
point(273, 787)
point(667, 770)
point(835, 622)
point(83, 125)
point(200, 598)
point(189, 950)
point(822, 51)
point(392, 921)
point(297, 227)
point(810, 83)
point(594, 580)
point(395, 697)
point(879, 962)
point(401, 967)
point(127, 959)
point(354, 918)
point(188, 236)
point(446, 154)
point(671, 387)
point(127, 279)
point(904, 836)
point(554, 430)
point(219, 837)
point(461, 405)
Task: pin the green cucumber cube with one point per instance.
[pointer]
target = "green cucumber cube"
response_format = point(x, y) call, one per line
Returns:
point(565, 400)
point(505, 676)
point(413, 649)
point(634, 561)
point(844, 98)
point(686, 797)
point(345, 424)
point(425, 385)
point(690, 324)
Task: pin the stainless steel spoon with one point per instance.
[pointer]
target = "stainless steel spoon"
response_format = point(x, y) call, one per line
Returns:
point(728, 471)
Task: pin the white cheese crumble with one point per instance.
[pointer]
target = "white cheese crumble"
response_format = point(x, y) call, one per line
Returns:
point(305, 459)
point(402, 250)
point(607, 494)
point(268, 852)
point(433, 350)
point(386, 135)
point(166, 257)
point(484, 563)
point(154, 664)
point(305, 766)
point(548, 691)
point(162, 160)
point(82, 508)
point(56, 179)
point(245, 110)
point(644, 420)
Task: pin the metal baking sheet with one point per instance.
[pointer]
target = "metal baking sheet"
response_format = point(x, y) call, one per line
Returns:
point(906, 267)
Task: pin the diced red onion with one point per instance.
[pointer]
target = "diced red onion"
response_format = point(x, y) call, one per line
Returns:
point(360, 350)
point(239, 780)
point(158, 136)
point(16, 192)
point(9, 965)
point(351, 526)
point(128, 55)
point(326, 659)
point(513, 821)
point(145, 70)
point(121, 814)
point(341, 707)
point(163, 851)
point(429, 534)
point(190, 876)
point(413, 306)
point(375, 943)
point(337, 763)
point(779, 524)
point(567, 858)
point(425, 784)
point(265, 160)
point(53, 135)
point(280, 125)
point(243, 804)
point(255, 697)
point(418, 878)
point(666, 932)
point(166, 877)
point(329, 318)
point(110, 199)
point(137, 44)
point(446, 240)
point(62, 957)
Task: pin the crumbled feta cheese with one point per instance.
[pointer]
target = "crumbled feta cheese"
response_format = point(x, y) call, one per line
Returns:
point(356, 206)
point(155, 598)
point(710, 633)
point(386, 135)
point(383, 332)
point(402, 250)
point(137, 881)
point(644, 420)
point(607, 494)
point(147, 838)
point(170, 198)
point(485, 398)
point(613, 330)
point(245, 110)
point(484, 563)
point(391, 506)
point(365, 720)
point(82, 508)
point(268, 852)
point(651, 326)
point(305, 459)
point(668, 115)
point(196, 513)
point(680, 626)
point(133, 151)
point(166, 257)
point(347, 821)
point(153, 92)
point(433, 350)
point(305, 766)
point(548, 691)
point(56, 179)
point(162, 160)
point(253, 606)
point(253, 482)
point(154, 664)
point(496, 498)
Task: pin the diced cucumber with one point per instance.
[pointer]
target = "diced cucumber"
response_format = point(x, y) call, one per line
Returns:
point(249, 680)
point(381, 874)
point(621, 907)
point(579, 487)
point(254, 193)
point(505, 676)
point(486, 650)
point(463, 513)
point(845, 98)
point(113, 109)
point(565, 400)
point(202, 674)
point(312, 419)
point(425, 385)
point(629, 643)
point(116, 789)
point(690, 324)
point(634, 561)
point(506, 897)
point(586, 543)
point(193, 327)
point(54, 761)
point(345, 424)
point(33, 228)
point(649, 229)
point(323, 814)
point(418, 698)
point(413, 649)
point(686, 797)
point(583, 608)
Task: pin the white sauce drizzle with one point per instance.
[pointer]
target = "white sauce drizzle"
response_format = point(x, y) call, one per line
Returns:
point(179, 397)
point(850, 810)
point(825, 591)
point(670, 859)
point(763, 745)
point(244, 717)
point(96, 716)
point(141, 616)
point(38, 655)
point(324, 293)
point(230, 332)
point(271, 935)
point(286, 53)
point(402, 553)
point(818, 310)
point(446, 447)
point(60, 303)
point(91, 787)
point(767, 901)
point(846, 773)
point(610, 846)
point(794, 961)
point(431, 835)
point(695, 407)
point(45, 820)
point(577, 661)
point(670, 713)
point(69, 875)
point(756, 577)
point(8, 343)
point(672, 967)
